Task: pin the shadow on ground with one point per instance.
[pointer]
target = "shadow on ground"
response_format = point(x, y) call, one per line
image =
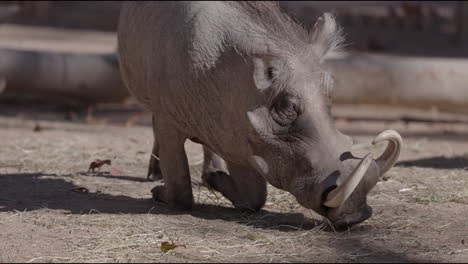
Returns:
point(106, 175)
point(32, 191)
point(440, 162)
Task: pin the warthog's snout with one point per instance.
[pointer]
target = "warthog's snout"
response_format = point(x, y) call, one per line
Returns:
point(363, 214)
point(346, 203)
point(354, 209)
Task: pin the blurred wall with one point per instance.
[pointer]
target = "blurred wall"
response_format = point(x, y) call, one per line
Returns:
point(426, 28)
point(98, 15)
point(415, 28)
point(418, 28)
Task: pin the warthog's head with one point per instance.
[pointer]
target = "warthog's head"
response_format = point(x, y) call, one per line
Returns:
point(294, 142)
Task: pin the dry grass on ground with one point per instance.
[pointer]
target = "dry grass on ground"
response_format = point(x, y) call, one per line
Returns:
point(420, 207)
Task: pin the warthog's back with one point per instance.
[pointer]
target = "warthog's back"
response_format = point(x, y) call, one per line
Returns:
point(165, 42)
point(151, 44)
point(175, 57)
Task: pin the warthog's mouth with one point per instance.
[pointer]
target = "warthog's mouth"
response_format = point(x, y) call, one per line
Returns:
point(335, 196)
point(357, 218)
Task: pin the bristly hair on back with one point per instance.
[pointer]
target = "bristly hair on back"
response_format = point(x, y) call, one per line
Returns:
point(259, 29)
point(285, 31)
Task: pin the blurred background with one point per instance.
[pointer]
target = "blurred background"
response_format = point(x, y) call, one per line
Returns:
point(63, 107)
point(60, 56)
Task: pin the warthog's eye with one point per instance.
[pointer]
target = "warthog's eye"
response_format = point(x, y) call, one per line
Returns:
point(271, 73)
point(285, 110)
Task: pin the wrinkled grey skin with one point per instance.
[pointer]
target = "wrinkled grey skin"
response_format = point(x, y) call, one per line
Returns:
point(245, 81)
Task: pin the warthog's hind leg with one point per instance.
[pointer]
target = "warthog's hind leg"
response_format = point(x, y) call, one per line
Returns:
point(245, 188)
point(154, 171)
point(177, 188)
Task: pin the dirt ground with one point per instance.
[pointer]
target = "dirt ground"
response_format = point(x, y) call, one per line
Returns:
point(420, 206)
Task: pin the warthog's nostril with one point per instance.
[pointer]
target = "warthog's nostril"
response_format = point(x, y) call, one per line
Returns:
point(347, 155)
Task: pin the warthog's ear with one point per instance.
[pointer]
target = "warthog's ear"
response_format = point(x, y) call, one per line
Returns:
point(264, 72)
point(326, 35)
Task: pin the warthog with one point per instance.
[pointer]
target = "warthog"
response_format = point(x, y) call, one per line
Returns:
point(245, 81)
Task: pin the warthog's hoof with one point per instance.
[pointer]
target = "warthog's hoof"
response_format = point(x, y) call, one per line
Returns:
point(154, 171)
point(175, 202)
point(155, 176)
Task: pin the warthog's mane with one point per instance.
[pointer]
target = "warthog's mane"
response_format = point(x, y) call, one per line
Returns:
point(253, 29)
point(265, 19)
point(265, 23)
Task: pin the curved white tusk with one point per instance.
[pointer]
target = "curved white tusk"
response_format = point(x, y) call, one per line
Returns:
point(391, 153)
point(339, 195)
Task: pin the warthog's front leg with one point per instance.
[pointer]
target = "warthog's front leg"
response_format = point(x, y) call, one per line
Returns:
point(154, 171)
point(245, 188)
point(177, 188)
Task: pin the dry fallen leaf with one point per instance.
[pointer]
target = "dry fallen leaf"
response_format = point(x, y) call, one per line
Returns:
point(80, 190)
point(166, 246)
point(97, 164)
